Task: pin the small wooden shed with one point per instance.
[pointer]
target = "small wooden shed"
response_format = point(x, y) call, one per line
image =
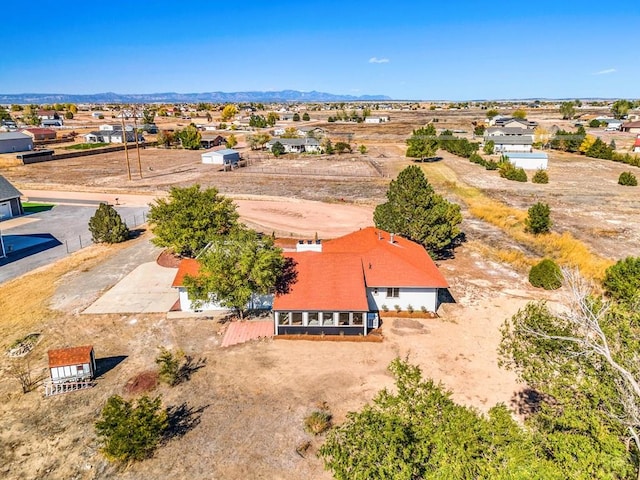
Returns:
point(75, 364)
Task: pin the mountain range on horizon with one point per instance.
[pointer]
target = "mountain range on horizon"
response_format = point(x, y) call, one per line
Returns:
point(173, 97)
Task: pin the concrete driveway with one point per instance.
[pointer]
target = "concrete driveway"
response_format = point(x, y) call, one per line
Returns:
point(147, 289)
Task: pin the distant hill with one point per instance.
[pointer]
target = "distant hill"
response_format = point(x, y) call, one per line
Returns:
point(172, 97)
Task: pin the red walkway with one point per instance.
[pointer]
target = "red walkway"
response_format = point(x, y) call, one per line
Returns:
point(241, 332)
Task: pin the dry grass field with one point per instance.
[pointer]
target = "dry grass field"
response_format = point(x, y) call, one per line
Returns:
point(243, 411)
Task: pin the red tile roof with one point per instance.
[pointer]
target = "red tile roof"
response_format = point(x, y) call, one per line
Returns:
point(188, 266)
point(70, 356)
point(325, 281)
point(635, 124)
point(402, 263)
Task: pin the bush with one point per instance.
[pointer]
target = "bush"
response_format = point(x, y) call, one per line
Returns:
point(317, 422)
point(68, 115)
point(538, 219)
point(628, 179)
point(384, 308)
point(410, 308)
point(398, 308)
point(546, 274)
point(510, 172)
point(106, 225)
point(622, 280)
point(131, 432)
point(594, 123)
point(541, 176)
point(491, 165)
point(169, 366)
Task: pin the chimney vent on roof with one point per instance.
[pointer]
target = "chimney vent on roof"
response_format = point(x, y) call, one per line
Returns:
point(392, 238)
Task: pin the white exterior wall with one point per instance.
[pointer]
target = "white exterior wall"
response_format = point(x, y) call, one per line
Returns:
point(211, 159)
point(530, 163)
point(69, 372)
point(499, 147)
point(258, 302)
point(416, 297)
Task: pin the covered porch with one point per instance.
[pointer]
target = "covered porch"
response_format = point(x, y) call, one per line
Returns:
point(324, 322)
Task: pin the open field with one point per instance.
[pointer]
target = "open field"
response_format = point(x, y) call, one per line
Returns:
point(245, 407)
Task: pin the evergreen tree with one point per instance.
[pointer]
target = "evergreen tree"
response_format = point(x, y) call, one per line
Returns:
point(106, 225)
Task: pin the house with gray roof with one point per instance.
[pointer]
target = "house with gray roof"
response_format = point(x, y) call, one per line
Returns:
point(296, 145)
point(10, 205)
point(15, 142)
point(512, 143)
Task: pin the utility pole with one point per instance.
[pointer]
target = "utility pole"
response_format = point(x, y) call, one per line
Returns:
point(124, 139)
point(135, 134)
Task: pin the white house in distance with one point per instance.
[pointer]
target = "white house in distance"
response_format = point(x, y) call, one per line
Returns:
point(225, 156)
point(528, 160)
point(296, 145)
point(340, 289)
point(383, 119)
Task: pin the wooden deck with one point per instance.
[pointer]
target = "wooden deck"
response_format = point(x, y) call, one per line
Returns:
point(51, 388)
point(241, 332)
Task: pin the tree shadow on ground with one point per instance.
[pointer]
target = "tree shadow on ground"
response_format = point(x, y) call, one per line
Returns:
point(182, 419)
point(449, 253)
point(136, 232)
point(528, 401)
point(189, 367)
point(103, 365)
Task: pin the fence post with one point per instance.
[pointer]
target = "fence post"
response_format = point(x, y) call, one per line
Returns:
point(66, 245)
point(80, 239)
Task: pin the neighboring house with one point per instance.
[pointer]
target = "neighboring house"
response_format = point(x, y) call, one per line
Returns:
point(40, 133)
point(209, 141)
point(613, 124)
point(278, 131)
point(508, 131)
point(341, 289)
point(48, 115)
point(191, 267)
point(52, 123)
point(631, 127)
point(112, 134)
point(384, 119)
point(75, 364)
point(225, 156)
point(10, 205)
point(15, 142)
point(513, 122)
point(296, 145)
point(8, 125)
point(528, 160)
point(512, 143)
point(636, 145)
point(309, 131)
point(97, 114)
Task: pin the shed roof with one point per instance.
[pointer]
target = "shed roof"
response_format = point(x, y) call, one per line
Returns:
point(14, 136)
point(222, 152)
point(40, 131)
point(7, 190)
point(70, 356)
point(512, 139)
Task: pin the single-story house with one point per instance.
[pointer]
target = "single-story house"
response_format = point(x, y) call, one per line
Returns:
point(112, 135)
point(508, 131)
point(636, 145)
point(341, 288)
point(10, 205)
point(15, 142)
point(631, 127)
point(512, 143)
point(40, 133)
point(384, 119)
point(226, 156)
point(500, 121)
point(75, 364)
point(97, 114)
point(209, 141)
point(52, 123)
point(191, 267)
point(309, 131)
point(48, 114)
point(8, 125)
point(296, 145)
point(612, 124)
point(528, 160)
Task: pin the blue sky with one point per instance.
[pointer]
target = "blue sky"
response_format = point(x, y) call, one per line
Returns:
point(453, 50)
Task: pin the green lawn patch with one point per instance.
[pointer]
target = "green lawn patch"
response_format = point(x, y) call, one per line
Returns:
point(86, 146)
point(33, 207)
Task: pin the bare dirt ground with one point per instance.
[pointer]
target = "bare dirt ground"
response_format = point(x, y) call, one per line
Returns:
point(242, 412)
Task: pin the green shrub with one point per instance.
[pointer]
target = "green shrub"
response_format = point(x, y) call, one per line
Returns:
point(410, 308)
point(317, 422)
point(384, 308)
point(538, 219)
point(131, 432)
point(510, 172)
point(106, 225)
point(169, 363)
point(541, 176)
point(491, 165)
point(398, 308)
point(628, 179)
point(622, 280)
point(594, 123)
point(546, 274)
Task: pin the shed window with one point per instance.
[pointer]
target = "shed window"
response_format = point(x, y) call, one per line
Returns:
point(327, 318)
point(313, 318)
point(283, 318)
point(357, 318)
point(296, 318)
point(343, 319)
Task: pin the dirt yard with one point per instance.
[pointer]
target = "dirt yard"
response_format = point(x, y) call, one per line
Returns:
point(241, 414)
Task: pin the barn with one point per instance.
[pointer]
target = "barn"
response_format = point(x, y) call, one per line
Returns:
point(528, 160)
point(15, 142)
point(226, 156)
point(10, 205)
point(75, 364)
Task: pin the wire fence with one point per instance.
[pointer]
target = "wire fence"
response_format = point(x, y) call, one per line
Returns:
point(77, 242)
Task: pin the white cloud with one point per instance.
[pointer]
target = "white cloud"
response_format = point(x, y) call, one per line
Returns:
point(378, 60)
point(606, 72)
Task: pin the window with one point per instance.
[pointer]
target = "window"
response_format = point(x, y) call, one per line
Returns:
point(296, 318)
point(393, 292)
point(357, 318)
point(283, 318)
point(327, 318)
point(343, 318)
point(313, 319)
